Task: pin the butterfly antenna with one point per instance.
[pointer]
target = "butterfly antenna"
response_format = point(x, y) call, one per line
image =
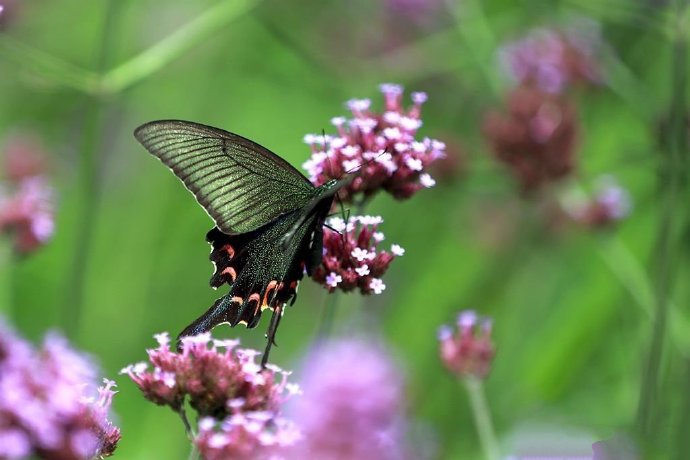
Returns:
point(369, 161)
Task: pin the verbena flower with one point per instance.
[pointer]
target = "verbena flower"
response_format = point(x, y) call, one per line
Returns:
point(382, 148)
point(218, 378)
point(351, 255)
point(26, 198)
point(467, 349)
point(609, 204)
point(46, 409)
point(536, 138)
point(246, 436)
point(352, 405)
point(553, 60)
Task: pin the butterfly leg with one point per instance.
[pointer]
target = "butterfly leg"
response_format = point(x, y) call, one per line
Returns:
point(271, 333)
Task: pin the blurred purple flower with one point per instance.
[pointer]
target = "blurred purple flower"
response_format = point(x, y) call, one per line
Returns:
point(26, 200)
point(610, 204)
point(45, 410)
point(552, 60)
point(381, 148)
point(217, 377)
point(536, 138)
point(350, 256)
point(352, 405)
point(467, 350)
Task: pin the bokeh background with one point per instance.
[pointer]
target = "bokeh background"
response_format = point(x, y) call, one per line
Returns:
point(573, 304)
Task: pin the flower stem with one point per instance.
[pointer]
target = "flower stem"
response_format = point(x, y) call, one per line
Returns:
point(185, 421)
point(482, 418)
point(87, 183)
point(672, 175)
point(194, 453)
point(6, 277)
point(173, 46)
point(327, 317)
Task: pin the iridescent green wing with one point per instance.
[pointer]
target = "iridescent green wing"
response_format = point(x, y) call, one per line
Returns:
point(239, 183)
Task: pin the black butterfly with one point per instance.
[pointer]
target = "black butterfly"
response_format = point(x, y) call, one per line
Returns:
point(269, 218)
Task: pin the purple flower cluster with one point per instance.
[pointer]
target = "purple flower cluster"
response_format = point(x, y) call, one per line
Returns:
point(553, 60)
point(382, 148)
point(351, 258)
point(246, 436)
point(536, 138)
point(46, 410)
point(610, 204)
point(345, 414)
point(27, 206)
point(215, 375)
point(468, 350)
point(237, 401)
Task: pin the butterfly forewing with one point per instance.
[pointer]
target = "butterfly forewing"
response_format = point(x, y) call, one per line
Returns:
point(241, 184)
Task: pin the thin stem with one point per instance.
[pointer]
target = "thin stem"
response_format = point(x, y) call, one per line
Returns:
point(87, 182)
point(482, 418)
point(7, 260)
point(135, 69)
point(187, 426)
point(670, 181)
point(194, 453)
point(174, 45)
point(327, 317)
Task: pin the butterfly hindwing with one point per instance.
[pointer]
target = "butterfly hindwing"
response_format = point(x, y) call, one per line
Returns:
point(241, 184)
point(261, 271)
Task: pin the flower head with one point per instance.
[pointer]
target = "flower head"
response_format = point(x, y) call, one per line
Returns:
point(381, 148)
point(46, 409)
point(351, 258)
point(345, 414)
point(536, 138)
point(218, 378)
point(26, 200)
point(552, 60)
point(610, 204)
point(467, 350)
point(245, 436)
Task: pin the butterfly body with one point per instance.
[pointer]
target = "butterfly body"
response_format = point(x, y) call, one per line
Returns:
point(269, 218)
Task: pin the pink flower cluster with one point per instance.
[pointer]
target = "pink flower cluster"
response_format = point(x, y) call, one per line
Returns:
point(45, 407)
point(467, 351)
point(553, 60)
point(351, 257)
point(255, 435)
point(221, 381)
point(27, 206)
point(346, 414)
point(382, 148)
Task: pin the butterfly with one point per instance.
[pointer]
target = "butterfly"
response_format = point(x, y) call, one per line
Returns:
point(268, 218)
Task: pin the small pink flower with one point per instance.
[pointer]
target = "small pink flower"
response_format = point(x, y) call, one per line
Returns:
point(468, 349)
point(29, 214)
point(351, 257)
point(381, 148)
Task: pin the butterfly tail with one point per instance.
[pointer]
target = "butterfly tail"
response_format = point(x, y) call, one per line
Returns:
point(223, 310)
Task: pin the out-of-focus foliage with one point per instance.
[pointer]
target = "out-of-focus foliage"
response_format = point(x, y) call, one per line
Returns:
point(571, 305)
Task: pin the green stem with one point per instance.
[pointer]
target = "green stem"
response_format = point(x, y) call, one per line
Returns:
point(482, 418)
point(194, 453)
point(88, 188)
point(327, 317)
point(135, 69)
point(670, 182)
point(173, 46)
point(6, 277)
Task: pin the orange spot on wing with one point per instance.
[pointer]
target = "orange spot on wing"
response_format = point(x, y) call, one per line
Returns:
point(229, 249)
point(231, 272)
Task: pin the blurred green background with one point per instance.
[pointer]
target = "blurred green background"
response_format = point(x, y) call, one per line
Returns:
point(572, 309)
